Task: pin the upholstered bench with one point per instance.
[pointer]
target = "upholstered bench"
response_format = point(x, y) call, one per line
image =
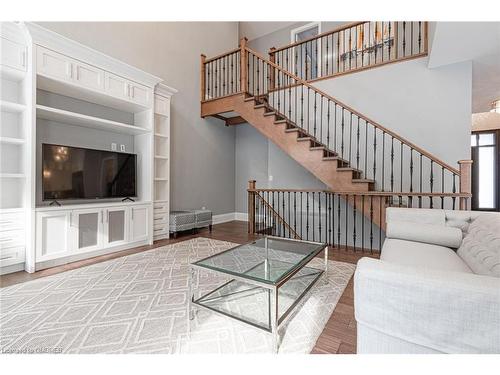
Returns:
point(203, 219)
point(180, 221)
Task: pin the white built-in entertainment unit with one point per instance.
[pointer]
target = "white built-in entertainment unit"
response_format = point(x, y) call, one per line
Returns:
point(57, 91)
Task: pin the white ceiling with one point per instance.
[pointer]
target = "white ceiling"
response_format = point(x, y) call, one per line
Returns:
point(454, 42)
point(253, 30)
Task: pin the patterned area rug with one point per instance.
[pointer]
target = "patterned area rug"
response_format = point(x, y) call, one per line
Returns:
point(137, 304)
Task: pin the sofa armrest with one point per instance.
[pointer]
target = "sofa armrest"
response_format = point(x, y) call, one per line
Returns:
point(450, 312)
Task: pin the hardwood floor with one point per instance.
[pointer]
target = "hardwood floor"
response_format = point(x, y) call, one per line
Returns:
point(339, 334)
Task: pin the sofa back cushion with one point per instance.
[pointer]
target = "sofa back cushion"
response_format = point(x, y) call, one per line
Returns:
point(480, 248)
point(427, 233)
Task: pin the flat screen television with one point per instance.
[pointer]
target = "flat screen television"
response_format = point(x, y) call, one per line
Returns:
point(82, 173)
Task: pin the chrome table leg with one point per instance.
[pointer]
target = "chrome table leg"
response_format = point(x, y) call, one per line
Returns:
point(274, 319)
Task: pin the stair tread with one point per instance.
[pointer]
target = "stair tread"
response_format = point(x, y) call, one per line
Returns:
point(270, 113)
point(348, 169)
point(291, 130)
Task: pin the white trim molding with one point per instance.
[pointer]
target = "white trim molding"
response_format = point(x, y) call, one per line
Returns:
point(231, 216)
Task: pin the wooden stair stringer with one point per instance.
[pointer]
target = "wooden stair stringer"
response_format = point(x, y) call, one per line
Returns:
point(312, 160)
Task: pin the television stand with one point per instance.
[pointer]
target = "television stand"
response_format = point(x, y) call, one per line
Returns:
point(128, 199)
point(55, 202)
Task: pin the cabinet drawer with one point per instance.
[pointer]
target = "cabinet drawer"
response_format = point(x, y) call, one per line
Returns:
point(159, 230)
point(89, 76)
point(140, 94)
point(13, 255)
point(11, 238)
point(12, 54)
point(53, 64)
point(160, 217)
point(116, 86)
point(159, 225)
point(161, 207)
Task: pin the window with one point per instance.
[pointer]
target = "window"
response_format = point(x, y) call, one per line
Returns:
point(485, 171)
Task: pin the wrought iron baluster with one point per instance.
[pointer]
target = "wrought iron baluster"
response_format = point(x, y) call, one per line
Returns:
point(371, 224)
point(404, 38)
point(319, 215)
point(350, 138)
point(315, 117)
point(354, 224)
point(307, 216)
point(342, 139)
point(392, 163)
point(431, 180)
point(357, 146)
point(401, 172)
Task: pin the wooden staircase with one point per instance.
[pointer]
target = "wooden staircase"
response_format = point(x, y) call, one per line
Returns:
point(341, 147)
point(324, 163)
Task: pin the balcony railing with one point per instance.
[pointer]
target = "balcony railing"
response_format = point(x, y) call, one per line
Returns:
point(353, 47)
point(344, 220)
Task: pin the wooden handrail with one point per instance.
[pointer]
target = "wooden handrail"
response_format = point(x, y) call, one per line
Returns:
point(365, 193)
point(222, 55)
point(353, 111)
point(273, 50)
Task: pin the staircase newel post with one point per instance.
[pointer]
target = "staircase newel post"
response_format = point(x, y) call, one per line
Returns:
point(251, 206)
point(202, 78)
point(243, 66)
point(272, 58)
point(465, 168)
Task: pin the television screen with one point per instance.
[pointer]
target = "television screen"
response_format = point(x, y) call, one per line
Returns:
point(82, 173)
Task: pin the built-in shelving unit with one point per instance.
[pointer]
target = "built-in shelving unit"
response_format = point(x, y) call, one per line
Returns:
point(15, 147)
point(163, 96)
point(55, 90)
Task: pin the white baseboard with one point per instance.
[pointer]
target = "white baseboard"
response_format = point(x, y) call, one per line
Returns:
point(231, 216)
point(223, 218)
point(241, 216)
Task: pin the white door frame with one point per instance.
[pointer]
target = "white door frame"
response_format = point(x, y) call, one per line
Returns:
point(307, 26)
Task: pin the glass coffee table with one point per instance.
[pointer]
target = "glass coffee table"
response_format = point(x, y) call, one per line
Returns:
point(267, 279)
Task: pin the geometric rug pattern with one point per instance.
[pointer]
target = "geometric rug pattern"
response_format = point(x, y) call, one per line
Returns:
point(138, 304)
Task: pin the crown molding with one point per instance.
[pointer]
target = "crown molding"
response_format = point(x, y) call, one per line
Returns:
point(54, 41)
point(164, 90)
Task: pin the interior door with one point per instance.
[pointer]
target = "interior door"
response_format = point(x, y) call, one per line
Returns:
point(485, 153)
point(88, 224)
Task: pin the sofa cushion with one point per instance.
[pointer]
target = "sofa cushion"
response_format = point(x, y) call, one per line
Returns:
point(480, 248)
point(421, 215)
point(422, 255)
point(427, 233)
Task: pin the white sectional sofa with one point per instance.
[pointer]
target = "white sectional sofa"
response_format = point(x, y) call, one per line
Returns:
point(436, 287)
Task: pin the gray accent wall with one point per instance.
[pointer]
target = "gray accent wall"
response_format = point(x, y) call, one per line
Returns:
point(202, 151)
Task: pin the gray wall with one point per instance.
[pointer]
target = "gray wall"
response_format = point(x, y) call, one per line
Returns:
point(202, 151)
point(429, 107)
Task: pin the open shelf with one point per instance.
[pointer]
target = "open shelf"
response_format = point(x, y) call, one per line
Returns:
point(12, 175)
point(161, 157)
point(12, 107)
point(161, 135)
point(12, 74)
point(12, 141)
point(73, 118)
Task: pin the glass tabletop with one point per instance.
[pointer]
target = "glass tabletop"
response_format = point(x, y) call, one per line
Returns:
point(268, 260)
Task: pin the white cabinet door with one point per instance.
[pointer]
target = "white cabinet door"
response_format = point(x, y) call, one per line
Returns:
point(116, 226)
point(89, 76)
point(162, 105)
point(53, 64)
point(53, 233)
point(12, 54)
point(139, 223)
point(139, 94)
point(87, 229)
point(116, 86)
